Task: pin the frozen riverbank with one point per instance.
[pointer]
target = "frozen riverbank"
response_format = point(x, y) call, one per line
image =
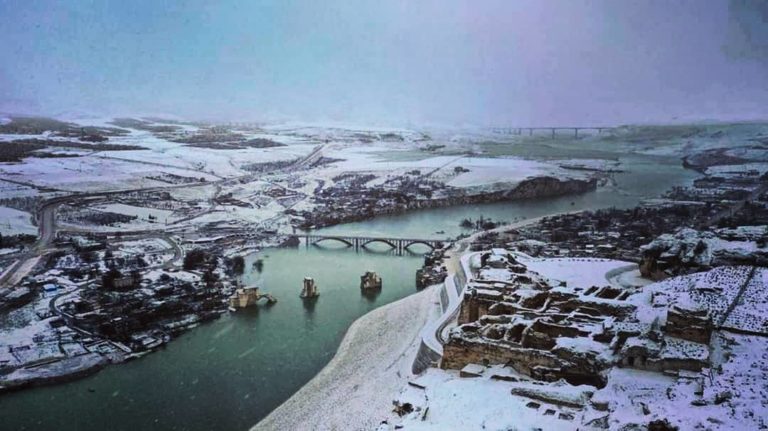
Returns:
point(354, 391)
point(374, 362)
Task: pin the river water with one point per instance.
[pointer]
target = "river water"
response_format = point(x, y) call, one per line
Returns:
point(230, 373)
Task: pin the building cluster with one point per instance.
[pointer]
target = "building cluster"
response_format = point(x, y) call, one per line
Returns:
point(717, 207)
point(355, 197)
point(143, 313)
point(97, 303)
point(433, 271)
point(610, 233)
point(352, 198)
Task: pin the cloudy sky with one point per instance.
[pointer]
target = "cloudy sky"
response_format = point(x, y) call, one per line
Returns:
point(542, 62)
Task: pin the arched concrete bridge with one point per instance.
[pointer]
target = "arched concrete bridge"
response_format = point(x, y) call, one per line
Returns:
point(357, 242)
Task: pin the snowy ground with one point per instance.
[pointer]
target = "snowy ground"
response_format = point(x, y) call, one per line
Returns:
point(11, 190)
point(577, 271)
point(143, 214)
point(89, 173)
point(717, 289)
point(681, 140)
point(13, 222)
point(115, 170)
point(635, 395)
point(450, 402)
point(482, 172)
point(155, 251)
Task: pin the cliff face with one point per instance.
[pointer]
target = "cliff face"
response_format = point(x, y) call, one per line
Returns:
point(538, 187)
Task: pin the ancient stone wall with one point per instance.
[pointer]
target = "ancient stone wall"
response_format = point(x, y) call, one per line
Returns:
point(688, 326)
point(472, 308)
point(459, 353)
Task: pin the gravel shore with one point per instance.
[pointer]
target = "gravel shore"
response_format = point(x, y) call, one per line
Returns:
point(355, 390)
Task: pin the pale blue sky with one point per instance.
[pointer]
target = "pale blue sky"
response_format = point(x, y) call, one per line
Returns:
point(389, 62)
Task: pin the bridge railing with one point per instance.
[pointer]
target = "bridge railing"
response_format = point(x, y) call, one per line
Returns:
point(358, 241)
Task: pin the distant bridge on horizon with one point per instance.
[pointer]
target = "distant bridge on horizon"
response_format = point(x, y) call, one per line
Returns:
point(552, 130)
point(399, 244)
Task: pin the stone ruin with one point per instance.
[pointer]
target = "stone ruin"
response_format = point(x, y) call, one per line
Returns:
point(370, 281)
point(309, 289)
point(248, 296)
point(514, 317)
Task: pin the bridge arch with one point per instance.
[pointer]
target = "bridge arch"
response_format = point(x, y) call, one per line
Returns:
point(361, 241)
point(332, 238)
point(381, 240)
point(429, 244)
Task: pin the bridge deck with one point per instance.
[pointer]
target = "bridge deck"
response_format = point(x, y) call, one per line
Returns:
point(358, 241)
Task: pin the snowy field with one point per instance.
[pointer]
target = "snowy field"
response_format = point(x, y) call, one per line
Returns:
point(749, 313)
point(118, 170)
point(638, 396)
point(681, 140)
point(155, 251)
point(152, 215)
point(13, 222)
point(457, 171)
point(219, 163)
point(11, 190)
point(717, 289)
point(581, 272)
point(737, 170)
point(450, 402)
point(348, 148)
point(89, 173)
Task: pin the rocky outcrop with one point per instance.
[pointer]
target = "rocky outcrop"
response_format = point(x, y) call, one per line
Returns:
point(532, 188)
point(690, 321)
point(549, 186)
point(462, 351)
point(64, 370)
point(537, 187)
point(691, 250)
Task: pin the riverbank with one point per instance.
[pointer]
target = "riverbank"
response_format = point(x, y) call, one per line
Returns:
point(354, 391)
point(373, 363)
point(336, 209)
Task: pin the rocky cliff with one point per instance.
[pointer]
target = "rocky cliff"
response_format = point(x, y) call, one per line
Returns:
point(538, 187)
point(689, 250)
